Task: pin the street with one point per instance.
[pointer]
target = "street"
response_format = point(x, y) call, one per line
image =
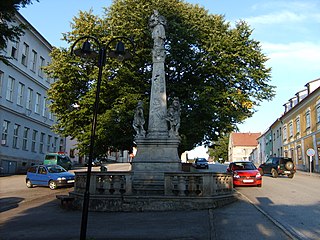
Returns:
point(291, 204)
point(294, 203)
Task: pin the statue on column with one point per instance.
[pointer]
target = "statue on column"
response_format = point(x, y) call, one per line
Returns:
point(138, 120)
point(157, 24)
point(173, 117)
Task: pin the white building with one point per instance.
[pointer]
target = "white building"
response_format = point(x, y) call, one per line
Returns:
point(24, 115)
point(241, 146)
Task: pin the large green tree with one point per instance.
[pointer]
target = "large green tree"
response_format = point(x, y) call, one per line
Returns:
point(9, 30)
point(218, 150)
point(217, 71)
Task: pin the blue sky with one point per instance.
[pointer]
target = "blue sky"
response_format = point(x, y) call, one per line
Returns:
point(288, 30)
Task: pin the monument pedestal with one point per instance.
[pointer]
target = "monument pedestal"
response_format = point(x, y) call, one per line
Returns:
point(154, 157)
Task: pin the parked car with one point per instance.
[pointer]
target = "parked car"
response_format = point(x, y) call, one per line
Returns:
point(58, 158)
point(49, 175)
point(245, 173)
point(278, 166)
point(95, 162)
point(201, 163)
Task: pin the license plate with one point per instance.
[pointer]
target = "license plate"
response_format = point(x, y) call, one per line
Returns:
point(247, 180)
point(287, 172)
point(70, 181)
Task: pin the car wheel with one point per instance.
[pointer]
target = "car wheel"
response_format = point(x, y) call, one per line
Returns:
point(29, 184)
point(259, 185)
point(289, 165)
point(290, 175)
point(274, 173)
point(52, 185)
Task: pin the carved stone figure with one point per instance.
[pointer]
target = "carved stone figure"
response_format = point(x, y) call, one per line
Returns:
point(138, 120)
point(173, 117)
point(157, 23)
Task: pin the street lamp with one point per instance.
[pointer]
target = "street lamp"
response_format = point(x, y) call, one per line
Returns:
point(119, 53)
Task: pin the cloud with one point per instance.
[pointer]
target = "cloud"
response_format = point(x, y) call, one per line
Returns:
point(280, 17)
point(306, 53)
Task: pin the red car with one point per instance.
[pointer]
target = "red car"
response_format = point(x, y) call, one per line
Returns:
point(245, 173)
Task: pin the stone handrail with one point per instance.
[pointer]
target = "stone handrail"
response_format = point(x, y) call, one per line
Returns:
point(105, 183)
point(203, 184)
point(181, 184)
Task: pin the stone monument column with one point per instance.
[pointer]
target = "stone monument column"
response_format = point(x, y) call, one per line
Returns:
point(158, 102)
point(157, 148)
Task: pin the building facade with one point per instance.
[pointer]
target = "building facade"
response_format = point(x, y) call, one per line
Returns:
point(297, 130)
point(301, 131)
point(25, 117)
point(241, 146)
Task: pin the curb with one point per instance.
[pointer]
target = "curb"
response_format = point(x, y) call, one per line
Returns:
point(274, 221)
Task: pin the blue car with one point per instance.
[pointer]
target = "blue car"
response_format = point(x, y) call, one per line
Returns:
point(49, 175)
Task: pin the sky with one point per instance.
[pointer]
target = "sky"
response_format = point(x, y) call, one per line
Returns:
point(288, 31)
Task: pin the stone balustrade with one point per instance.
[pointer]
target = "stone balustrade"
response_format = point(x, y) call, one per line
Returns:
point(105, 183)
point(203, 184)
point(178, 184)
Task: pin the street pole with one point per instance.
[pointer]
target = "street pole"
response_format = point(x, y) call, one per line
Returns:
point(86, 198)
point(120, 53)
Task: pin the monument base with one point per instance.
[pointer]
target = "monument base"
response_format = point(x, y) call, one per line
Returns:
point(154, 158)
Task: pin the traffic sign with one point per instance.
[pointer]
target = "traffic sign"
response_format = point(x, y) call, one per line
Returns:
point(311, 152)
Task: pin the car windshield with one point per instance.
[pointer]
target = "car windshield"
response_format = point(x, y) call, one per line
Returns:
point(63, 158)
point(201, 160)
point(243, 166)
point(56, 169)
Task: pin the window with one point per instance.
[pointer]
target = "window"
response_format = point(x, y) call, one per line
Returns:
point(290, 129)
point(317, 111)
point(10, 87)
point(55, 144)
point(308, 123)
point(44, 107)
point(25, 139)
point(49, 143)
point(20, 94)
point(41, 144)
point(50, 115)
point(34, 139)
point(4, 138)
point(299, 152)
point(284, 133)
point(29, 98)
point(298, 125)
point(34, 60)
point(37, 104)
point(15, 136)
point(14, 50)
point(61, 147)
point(25, 53)
point(42, 170)
point(1, 81)
point(40, 71)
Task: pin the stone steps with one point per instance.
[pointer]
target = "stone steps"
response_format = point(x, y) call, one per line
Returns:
point(150, 187)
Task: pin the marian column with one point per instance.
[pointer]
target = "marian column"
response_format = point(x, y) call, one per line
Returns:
point(158, 102)
point(157, 148)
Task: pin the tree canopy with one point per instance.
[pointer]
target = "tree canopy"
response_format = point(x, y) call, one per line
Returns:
point(217, 71)
point(8, 30)
point(218, 150)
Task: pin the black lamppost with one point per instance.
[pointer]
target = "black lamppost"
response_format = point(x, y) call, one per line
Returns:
point(86, 52)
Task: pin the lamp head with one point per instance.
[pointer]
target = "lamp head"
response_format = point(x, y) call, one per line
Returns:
point(86, 51)
point(120, 52)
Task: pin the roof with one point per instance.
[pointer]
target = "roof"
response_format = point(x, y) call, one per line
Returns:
point(245, 139)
